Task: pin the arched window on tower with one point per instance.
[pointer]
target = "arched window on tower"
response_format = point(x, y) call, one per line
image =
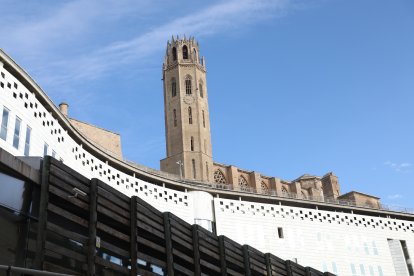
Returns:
point(200, 88)
point(188, 85)
point(173, 87)
point(175, 117)
point(185, 52)
point(190, 116)
point(243, 185)
point(174, 53)
point(219, 177)
point(192, 143)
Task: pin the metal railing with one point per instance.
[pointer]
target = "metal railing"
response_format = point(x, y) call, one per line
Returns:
point(269, 192)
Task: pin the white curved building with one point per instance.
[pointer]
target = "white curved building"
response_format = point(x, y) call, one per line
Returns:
point(328, 235)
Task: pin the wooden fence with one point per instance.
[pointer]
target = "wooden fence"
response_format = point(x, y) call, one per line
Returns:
point(101, 231)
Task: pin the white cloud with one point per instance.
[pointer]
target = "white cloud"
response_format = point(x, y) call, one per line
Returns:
point(399, 167)
point(81, 18)
point(394, 196)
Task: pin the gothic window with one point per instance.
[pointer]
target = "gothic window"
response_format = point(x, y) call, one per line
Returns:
point(174, 53)
point(190, 116)
point(284, 192)
point(265, 189)
point(192, 143)
point(175, 117)
point(219, 177)
point(243, 185)
point(200, 87)
point(185, 52)
point(173, 87)
point(188, 85)
point(195, 54)
point(204, 119)
point(194, 168)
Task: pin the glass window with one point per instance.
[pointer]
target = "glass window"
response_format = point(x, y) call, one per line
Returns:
point(334, 268)
point(4, 123)
point(374, 248)
point(353, 270)
point(371, 270)
point(27, 141)
point(188, 86)
point(45, 149)
point(16, 136)
point(380, 271)
point(362, 268)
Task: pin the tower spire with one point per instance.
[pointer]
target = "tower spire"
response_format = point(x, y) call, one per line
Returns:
point(187, 122)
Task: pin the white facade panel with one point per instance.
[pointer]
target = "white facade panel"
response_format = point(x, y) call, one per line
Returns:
point(46, 130)
point(329, 241)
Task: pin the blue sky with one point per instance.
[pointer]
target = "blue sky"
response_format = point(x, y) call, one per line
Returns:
point(294, 86)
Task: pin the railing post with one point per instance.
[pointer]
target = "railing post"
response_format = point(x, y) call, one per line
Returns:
point(222, 250)
point(246, 260)
point(134, 249)
point(288, 268)
point(41, 228)
point(196, 250)
point(268, 264)
point(93, 219)
point(168, 244)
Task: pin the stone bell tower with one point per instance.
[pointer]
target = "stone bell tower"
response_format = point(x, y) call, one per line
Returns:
point(187, 122)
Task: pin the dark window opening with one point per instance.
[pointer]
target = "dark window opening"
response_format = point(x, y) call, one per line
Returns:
point(185, 52)
point(204, 119)
point(174, 53)
point(192, 143)
point(280, 232)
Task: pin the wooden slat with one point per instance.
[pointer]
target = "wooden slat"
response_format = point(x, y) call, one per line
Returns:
point(151, 244)
point(65, 251)
point(59, 211)
point(66, 233)
point(106, 211)
point(115, 200)
point(113, 232)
